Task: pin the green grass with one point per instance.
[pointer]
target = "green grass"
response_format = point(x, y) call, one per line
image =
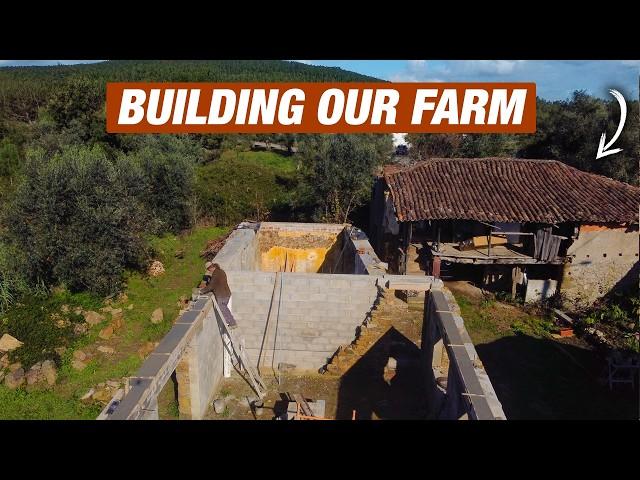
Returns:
point(146, 294)
point(42, 405)
point(246, 185)
point(279, 163)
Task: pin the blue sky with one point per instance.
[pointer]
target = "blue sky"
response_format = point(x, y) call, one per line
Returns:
point(555, 79)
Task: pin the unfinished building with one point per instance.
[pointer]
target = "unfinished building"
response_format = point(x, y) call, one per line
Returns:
point(309, 298)
point(539, 226)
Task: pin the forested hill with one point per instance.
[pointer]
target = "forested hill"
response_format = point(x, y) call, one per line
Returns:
point(24, 89)
point(187, 71)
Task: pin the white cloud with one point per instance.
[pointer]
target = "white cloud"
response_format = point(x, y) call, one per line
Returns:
point(631, 63)
point(499, 67)
point(417, 64)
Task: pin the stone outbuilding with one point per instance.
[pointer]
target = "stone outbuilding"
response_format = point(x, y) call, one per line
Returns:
point(539, 226)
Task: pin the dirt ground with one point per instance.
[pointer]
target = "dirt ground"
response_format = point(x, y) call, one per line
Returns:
point(368, 387)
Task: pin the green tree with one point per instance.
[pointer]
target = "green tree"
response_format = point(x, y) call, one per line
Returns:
point(75, 220)
point(9, 159)
point(433, 145)
point(164, 180)
point(77, 98)
point(338, 171)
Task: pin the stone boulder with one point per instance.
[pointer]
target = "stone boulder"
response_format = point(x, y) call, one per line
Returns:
point(79, 355)
point(78, 365)
point(157, 316)
point(117, 320)
point(9, 343)
point(87, 396)
point(106, 350)
point(49, 372)
point(15, 366)
point(34, 375)
point(93, 318)
point(15, 379)
point(106, 333)
point(60, 322)
point(80, 328)
point(103, 394)
point(146, 349)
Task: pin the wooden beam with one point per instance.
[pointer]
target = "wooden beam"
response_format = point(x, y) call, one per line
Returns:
point(304, 406)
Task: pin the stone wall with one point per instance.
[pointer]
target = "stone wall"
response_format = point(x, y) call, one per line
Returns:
point(604, 258)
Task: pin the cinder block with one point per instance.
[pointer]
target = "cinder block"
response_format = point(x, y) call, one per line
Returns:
point(189, 317)
point(173, 338)
point(152, 365)
point(264, 279)
point(295, 283)
point(319, 283)
point(439, 302)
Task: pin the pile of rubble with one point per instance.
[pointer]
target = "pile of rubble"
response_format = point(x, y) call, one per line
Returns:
point(103, 392)
point(14, 375)
point(214, 246)
point(381, 319)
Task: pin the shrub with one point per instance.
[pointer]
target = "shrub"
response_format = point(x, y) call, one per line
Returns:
point(244, 185)
point(165, 180)
point(75, 220)
point(9, 158)
point(339, 171)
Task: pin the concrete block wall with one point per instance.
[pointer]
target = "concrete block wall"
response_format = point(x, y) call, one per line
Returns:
point(469, 392)
point(193, 348)
point(205, 359)
point(313, 314)
point(239, 251)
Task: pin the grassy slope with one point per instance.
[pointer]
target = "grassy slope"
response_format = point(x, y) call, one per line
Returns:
point(234, 186)
point(536, 376)
point(146, 294)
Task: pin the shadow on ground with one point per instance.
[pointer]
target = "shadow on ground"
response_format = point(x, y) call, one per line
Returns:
point(538, 378)
point(376, 394)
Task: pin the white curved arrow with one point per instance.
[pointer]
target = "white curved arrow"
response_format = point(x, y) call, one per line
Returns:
point(602, 148)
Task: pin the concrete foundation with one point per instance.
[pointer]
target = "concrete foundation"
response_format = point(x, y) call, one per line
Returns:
point(299, 319)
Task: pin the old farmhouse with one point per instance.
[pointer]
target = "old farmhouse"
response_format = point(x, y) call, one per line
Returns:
point(538, 226)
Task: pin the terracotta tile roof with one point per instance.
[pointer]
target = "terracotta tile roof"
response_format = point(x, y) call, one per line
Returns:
point(508, 190)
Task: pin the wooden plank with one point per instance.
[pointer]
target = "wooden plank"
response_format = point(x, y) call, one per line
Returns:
point(560, 314)
point(306, 409)
point(485, 240)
